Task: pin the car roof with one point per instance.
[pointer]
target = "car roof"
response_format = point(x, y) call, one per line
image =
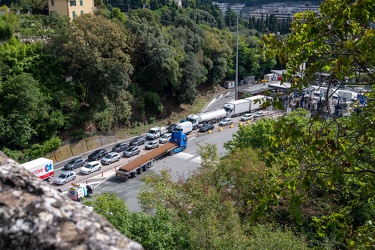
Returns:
point(92, 162)
point(67, 172)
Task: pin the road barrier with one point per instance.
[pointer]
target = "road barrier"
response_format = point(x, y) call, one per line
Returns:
point(220, 129)
point(231, 126)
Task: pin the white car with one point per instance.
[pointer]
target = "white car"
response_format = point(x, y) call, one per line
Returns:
point(226, 122)
point(247, 117)
point(259, 114)
point(110, 157)
point(65, 177)
point(165, 138)
point(91, 167)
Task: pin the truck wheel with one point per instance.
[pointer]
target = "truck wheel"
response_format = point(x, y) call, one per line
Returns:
point(171, 152)
point(183, 148)
point(134, 174)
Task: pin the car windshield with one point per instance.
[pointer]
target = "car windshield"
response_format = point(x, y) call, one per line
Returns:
point(62, 176)
point(108, 156)
point(72, 162)
point(129, 149)
point(118, 145)
point(165, 136)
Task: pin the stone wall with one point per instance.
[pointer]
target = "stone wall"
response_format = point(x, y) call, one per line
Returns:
point(33, 215)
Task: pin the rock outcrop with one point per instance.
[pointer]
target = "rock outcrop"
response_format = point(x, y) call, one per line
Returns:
point(33, 215)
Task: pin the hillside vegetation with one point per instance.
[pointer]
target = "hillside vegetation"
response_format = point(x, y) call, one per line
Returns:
point(108, 71)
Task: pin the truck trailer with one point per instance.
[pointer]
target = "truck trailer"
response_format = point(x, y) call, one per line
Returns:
point(256, 102)
point(41, 167)
point(207, 117)
point(237, 107)
point(177, 143)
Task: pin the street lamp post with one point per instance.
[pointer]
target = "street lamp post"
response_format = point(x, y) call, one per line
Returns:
point(236, 83)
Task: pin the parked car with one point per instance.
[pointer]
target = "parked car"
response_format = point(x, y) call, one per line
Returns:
point(137, 141)
point(91, 167)
point(206, 127)
point(74, 163)
point(171, 127)
point(119, 147)
point(65, 177)
point(226, 122)
point(165, 138)
point(152, 144)
point(247, 117)
point(97, 154)
point(110, 158)
point(129, 152)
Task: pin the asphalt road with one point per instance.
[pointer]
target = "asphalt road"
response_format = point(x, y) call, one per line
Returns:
point(180, 165)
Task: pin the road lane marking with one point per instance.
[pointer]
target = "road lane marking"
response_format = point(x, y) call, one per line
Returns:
point(183, 155)
point(197, 160)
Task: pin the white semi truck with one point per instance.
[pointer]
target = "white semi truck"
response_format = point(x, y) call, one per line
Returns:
point(237, 107)
point(41, 167)
point(207, 117)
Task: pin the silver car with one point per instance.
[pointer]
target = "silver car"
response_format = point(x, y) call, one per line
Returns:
point(165, 138)
point(65, 177)
point(247, 117)
point(226, 122)
point(110, 157)
point(152, 144)
point(74, 163)
point(131, 151)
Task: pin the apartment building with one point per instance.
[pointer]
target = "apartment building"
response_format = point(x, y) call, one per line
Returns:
point(71, 8)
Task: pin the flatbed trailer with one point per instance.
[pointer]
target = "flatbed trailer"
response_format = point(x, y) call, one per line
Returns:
point(144, 162)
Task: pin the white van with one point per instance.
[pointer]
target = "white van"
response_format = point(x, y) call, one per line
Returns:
point(185, 127)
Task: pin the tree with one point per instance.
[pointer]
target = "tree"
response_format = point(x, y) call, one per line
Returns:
point(153, 57)
point(333, 155)
point(25, 113)
point(156, 231)
point(95, 55)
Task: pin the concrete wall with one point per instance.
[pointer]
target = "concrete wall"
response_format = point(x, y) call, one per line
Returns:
point(68, 151)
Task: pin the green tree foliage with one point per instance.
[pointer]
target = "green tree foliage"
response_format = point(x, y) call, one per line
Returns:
point(95, 55)
point(25, 113)
point(217, 201)
point(153, 57)
point(6, 30)
point(157, 231)
point(217, 52)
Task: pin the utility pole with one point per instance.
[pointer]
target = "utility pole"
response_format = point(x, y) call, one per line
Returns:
point(236, 83)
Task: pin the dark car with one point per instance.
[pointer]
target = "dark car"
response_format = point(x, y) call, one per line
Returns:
point(137, 141)
point(206, 127)
point(170, 128)
point(97, 154)
point(74, 163)
point(119, 147)
point(131, 151)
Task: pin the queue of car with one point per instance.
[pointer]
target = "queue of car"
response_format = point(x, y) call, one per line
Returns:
point(102, 156)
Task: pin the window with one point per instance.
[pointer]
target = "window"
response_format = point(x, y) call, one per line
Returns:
point(73, 14)
point(52, 2)
point(80, 2)
point(81, 12)
point(73, 3)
